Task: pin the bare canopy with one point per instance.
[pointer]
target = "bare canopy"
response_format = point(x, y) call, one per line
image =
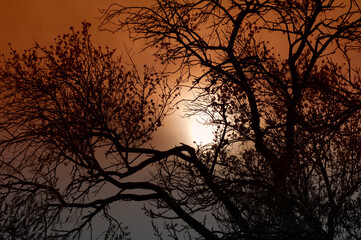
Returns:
point(285, 163)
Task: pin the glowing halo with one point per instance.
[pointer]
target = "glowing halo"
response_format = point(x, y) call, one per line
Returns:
point(200, 132)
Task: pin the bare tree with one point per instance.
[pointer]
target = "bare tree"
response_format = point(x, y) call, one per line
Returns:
point(286, 159)
point(69, 113)
point(295, 116)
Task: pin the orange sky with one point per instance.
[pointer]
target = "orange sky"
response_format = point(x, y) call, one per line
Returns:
point(24, 21)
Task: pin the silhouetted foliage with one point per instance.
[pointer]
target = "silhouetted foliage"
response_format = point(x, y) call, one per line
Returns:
point(285, 163)
point(68, 114)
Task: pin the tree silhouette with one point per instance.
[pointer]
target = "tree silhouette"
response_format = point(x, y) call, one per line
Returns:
point(285, 163)
point(295, 116)
point(69, 114)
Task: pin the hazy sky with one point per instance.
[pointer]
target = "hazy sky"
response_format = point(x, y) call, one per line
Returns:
point(24, 21)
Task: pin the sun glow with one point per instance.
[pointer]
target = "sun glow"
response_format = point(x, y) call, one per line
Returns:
point(200, 132)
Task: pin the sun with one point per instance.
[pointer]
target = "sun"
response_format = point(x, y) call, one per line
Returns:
point(201, 133)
